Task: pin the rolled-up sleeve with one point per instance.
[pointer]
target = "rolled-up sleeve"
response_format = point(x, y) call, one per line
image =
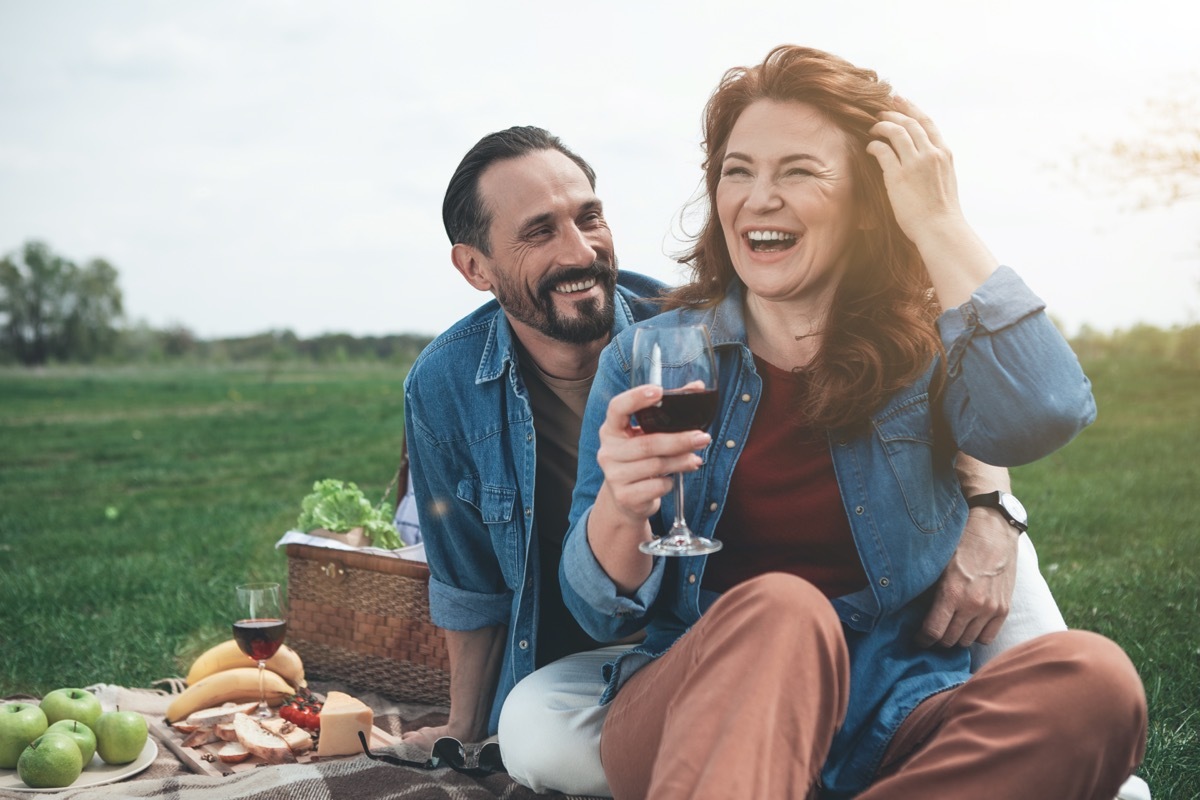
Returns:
point(592, 596)
point(1015, 391)
point(467, 590)
point(460, 610)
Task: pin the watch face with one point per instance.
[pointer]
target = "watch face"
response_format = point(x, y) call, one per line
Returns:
point(1014, 507)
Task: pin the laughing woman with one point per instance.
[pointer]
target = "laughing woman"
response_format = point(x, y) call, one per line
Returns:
point(864, 335)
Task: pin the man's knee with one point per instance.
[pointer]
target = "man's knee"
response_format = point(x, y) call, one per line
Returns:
point(548, 745)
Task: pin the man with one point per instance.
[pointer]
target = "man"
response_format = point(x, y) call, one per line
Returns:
point(493, 408)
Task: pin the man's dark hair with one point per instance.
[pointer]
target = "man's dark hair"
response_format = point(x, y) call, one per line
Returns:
point(463, 213)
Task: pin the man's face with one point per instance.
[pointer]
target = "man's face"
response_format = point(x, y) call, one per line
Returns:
point(552, 266)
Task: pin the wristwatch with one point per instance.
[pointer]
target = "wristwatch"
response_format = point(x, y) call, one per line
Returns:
point(1006, 504)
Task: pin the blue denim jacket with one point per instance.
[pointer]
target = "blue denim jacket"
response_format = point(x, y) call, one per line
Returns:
point(1015, 392)
point(471, 441)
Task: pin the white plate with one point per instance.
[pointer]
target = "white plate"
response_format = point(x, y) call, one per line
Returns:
point(97, 772)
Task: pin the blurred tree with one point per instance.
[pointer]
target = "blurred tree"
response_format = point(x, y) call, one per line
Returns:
point(52, 308)
point(1162, 166)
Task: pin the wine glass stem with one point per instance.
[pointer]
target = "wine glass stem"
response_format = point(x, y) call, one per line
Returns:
point(680, 527)
point(262, 691)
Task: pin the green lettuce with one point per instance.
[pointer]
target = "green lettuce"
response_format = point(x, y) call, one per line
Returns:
point(339, 506)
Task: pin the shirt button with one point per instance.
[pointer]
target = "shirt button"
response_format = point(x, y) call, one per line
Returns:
point(712, 506)
point(730, 444)
point(855, 617)
point(859, 509)
point(884, 581)
point(528, 511)
point(692, 578)
point(523, 644)
point(529, 437)
point(746, 398)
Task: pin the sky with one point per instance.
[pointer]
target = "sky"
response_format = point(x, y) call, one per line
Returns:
point(254, 165)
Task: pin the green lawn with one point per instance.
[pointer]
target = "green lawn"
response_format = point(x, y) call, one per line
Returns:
point(202, 469)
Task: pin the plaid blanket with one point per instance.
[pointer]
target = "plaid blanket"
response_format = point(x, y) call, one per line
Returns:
point(358, 778)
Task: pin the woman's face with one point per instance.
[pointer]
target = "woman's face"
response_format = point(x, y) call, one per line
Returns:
point(785, 200)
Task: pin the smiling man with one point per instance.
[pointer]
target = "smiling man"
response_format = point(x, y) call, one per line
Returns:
point(494, 405)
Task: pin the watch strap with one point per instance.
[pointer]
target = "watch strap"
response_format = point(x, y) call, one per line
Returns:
point(994, 500)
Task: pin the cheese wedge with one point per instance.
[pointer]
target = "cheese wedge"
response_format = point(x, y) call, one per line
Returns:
point(342, 717)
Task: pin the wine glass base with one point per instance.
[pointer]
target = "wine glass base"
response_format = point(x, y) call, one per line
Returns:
point(680, 545)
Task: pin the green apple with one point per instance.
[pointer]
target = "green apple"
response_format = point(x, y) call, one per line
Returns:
point(120, 736)
point(51, 761)
point(82, 735)
point(20, 724)
point(71, 704)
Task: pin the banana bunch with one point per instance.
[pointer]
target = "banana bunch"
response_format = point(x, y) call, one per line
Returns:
point(227, 655)
point(223, 675)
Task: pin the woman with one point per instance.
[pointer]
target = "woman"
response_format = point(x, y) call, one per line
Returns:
point(863, 334)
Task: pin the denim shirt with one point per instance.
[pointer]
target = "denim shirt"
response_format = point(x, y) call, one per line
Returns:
point(471, 441)
point(1014, 393)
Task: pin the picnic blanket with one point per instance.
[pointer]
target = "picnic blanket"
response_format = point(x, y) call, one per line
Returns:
point(359, 778)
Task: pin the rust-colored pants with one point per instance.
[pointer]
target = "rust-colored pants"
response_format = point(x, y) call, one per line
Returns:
point(747, 702)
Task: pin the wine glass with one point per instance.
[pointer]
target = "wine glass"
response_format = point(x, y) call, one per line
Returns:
point(260, 628)
point(679, 359)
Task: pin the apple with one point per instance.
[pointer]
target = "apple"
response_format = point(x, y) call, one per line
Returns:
point(51, 761)
point(82, 735)
point(20, 724)
point(120, 736)
point(71, 704)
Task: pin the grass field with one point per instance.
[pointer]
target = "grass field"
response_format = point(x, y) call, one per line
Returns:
point(132, 500)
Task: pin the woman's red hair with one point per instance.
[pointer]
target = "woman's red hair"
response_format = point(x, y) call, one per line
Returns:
point(880, 333)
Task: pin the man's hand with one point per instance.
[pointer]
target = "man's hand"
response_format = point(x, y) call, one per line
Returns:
point(475, 658)
point(425, 737)
point(975, 591)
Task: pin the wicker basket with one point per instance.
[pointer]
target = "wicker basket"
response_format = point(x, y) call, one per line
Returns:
point(364, 619)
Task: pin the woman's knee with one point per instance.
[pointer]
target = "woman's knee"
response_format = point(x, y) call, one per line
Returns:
point(783, 600)
point(1109, 674)
point(1103, 685)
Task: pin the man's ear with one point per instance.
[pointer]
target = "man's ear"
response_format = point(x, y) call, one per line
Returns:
point(469, 261)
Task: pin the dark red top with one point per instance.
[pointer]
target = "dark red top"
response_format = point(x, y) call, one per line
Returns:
point(784, 512)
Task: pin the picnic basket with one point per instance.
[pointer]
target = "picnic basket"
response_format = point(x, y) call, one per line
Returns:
point(363, 618)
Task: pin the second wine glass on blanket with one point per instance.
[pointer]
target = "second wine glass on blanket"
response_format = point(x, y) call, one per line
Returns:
point(679, 359)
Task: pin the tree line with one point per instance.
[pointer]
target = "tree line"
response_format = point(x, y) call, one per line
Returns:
point(53, 310)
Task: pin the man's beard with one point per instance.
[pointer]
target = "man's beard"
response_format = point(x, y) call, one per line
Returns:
point(593, 318)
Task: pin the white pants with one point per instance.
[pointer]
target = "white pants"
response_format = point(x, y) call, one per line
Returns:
point(550, 724)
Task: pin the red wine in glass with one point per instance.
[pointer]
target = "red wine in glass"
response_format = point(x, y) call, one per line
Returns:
point(259, 628)
point(679, 359)
point(680, 410)
point(259, 638)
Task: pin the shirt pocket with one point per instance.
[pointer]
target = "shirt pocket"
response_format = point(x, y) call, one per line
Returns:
point(496, 505)
point(921, 462)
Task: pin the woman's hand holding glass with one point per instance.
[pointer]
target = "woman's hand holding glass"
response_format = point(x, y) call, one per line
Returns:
point(674, 377)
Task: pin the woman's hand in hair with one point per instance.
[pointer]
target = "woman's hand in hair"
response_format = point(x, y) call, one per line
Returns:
point(918, 171)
